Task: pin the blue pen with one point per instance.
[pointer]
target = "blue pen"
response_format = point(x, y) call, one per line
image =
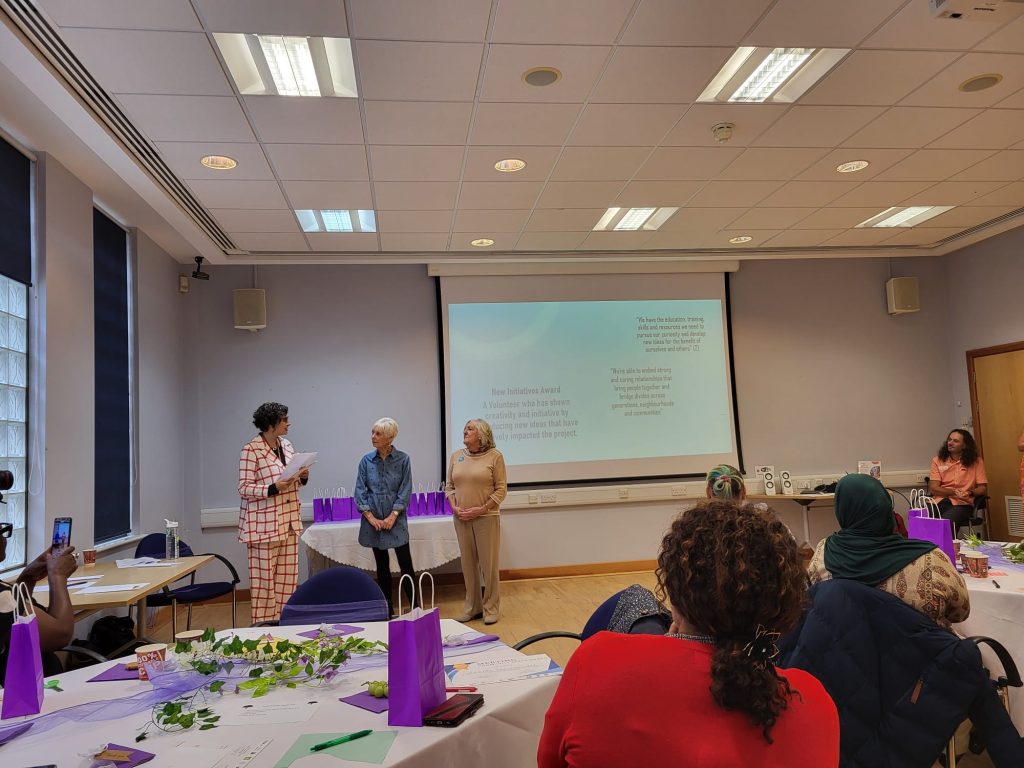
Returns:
point(339, 740)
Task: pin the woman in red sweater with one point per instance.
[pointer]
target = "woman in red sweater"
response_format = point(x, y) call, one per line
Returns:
point(706, 695)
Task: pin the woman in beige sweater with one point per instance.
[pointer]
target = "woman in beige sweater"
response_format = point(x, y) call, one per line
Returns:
point(476, 487)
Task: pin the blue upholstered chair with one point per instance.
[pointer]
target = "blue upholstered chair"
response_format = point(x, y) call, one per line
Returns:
point(598, 621)
point(336, 595)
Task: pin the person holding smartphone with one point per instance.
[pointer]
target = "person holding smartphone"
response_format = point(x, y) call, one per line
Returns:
point(56, 622)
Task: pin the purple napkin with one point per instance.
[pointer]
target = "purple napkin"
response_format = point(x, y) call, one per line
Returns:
point(364, 700)
point(116, 672)
point(335, 630)
point(9, 732)
point(135, 757)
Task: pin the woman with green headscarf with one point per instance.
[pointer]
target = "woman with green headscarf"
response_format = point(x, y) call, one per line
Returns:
point(867, 549)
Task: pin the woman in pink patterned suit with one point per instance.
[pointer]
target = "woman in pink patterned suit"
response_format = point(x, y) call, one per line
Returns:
point(269, 523)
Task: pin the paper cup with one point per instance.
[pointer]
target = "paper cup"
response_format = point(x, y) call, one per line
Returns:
point(976, 564)
point(956, 548)
point(89, 556)
point(188, 636)
point(152, 656)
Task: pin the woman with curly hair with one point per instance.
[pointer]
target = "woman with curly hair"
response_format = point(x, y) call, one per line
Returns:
point(957, 477)
point(706, 695)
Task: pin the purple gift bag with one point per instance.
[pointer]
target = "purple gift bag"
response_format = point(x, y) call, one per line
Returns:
point(415, 661)
point(343, 508)
point(446, 506)
point(320, 514)
point(414, 509)
point(430, 503)
point(23, 684)
point(924, 522)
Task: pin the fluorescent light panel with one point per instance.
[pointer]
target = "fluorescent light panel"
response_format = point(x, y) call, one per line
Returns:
point(906, 216)
point(770, 74)
point(631, 219)
point(289, 65)
point(336, 220)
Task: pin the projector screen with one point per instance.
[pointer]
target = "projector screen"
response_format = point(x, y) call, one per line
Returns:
point(592, 377)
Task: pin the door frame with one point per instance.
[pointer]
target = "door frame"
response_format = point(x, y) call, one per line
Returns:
point(1000, 349)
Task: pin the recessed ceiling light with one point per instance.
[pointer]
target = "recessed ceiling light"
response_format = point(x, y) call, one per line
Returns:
point(288, 65)
point(335, 220)
point(631, 219)
point(740, 240)
point(853, 166)
point(770, 74)
point(980, 82)
point(541, 76)
point(219, 162)
point(510, 165)
point(906, 216)
point(482, 242)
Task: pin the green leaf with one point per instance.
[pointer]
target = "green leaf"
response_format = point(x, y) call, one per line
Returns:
point(290, 684)
point(216, 685)
point(213, 719)
point(248, 684)
point(255, 671)
point(206, 726)
point(309, 668)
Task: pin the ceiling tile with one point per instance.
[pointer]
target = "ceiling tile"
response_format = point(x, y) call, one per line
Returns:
point(272, 17)
point(624, 125)
point(683, 240)
point(506, 64)
point(540, 124)
point(1002, 166)
point(183, 157)
point(564, 220)
point(933, 164)
point(585, 22)
point(817, 126)
point(246, 221)
point(880, 194)
point(1016, 101)
point(409, 241)
point(692, 219)
point(550, 241)
point(638, 194)
point(398, 122)
point(696, 22)
point(909, 127)
point(189, 118)
point(1009, 39)
point(181, 63)
point(860, 237)
point(969, 216)
point(814, 24)
point(922, 235)
point(658, 75)
point(599, 163)
point(224, 193)
point(319, 162)
point(615, 241)
point(490, 221)
point(123, 14)
point(488, 195)
point(879, 159)
point(579, 194)
point(943, 89)
point(270, 242)
point(771, 163)
point(417, 71)
point(392, 163)
point(837, 218)
point(294, 120)
point(462, 241)
point(733, 194)
point(914, 28)
point(992, 129)
point(415, 195)
point(1011, 195)
point(877, 77)
point(953, 193)
point(801, 238)
point(809, 193)
point(674, 163)
point(480, 163)
point(764, 217)
point(329, 194)
point(439, 20)
point(343, 241)
point(749, 120)
point(414, 221)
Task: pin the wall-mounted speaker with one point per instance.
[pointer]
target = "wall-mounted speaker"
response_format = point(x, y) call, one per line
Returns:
point(786, 482)
point(250, 308)
point(902, 295)
point(766, 474)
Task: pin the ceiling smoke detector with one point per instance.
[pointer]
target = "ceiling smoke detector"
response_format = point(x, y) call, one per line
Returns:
point(723, 132)
point(980, 82)
point(541, 76)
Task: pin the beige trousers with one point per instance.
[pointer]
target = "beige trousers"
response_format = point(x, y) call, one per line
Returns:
point(479, 542)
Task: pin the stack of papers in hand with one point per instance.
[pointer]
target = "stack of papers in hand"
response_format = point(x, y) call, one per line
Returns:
point(142, 562)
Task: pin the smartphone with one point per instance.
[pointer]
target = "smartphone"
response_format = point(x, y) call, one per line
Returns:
point(61, 533)
point(456, 710)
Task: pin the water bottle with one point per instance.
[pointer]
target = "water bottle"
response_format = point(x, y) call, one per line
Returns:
point(171, 540)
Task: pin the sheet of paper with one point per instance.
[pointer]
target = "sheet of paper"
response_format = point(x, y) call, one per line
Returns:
point(239, 710)
point(205, 753)
point(298, 463)
point(501, 670)
point(138, 562)
point(111, 588)
point(369, 749)
point(75, 582)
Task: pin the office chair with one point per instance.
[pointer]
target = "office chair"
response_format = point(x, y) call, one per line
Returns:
point(152, 545)
point(975, 516)
point(339, 594)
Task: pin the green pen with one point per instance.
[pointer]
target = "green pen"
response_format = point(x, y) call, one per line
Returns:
point(340, 740)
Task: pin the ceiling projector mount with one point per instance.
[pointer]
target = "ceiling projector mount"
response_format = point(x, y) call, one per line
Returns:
point(197, 273)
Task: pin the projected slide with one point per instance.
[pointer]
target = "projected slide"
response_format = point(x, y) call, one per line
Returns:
point(609, 387)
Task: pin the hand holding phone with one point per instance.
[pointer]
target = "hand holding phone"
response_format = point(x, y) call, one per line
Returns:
point(61, 533)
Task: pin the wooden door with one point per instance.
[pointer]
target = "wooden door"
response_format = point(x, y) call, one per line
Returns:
point(997, 402)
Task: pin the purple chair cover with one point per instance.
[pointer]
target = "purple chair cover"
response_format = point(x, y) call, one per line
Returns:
point(416, 677)
point(334, 613)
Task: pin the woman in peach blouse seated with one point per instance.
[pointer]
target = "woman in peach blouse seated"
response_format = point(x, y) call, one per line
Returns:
point(867, 550)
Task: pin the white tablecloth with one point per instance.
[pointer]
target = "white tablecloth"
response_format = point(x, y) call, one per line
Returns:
point(432, 543)
point(503, 734)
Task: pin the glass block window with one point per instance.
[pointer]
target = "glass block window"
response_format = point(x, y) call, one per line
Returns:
point(13, 410)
